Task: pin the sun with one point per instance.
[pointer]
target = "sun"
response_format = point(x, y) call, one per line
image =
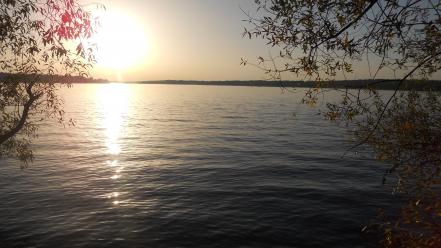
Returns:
point(121, 41)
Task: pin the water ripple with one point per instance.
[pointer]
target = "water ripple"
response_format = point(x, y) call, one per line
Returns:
point(189, 166)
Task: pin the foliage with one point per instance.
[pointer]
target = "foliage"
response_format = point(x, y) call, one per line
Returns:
point(35, 39)
point(409, 138)
point(322, 39)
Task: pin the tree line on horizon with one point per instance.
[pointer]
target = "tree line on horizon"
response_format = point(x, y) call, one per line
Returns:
point(379, 84)
point(58, 79)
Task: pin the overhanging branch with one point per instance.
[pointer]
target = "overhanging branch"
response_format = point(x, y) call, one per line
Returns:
point(24, 115)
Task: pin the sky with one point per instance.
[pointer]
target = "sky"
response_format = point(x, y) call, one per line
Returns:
point(185, 40)
point(147, 40)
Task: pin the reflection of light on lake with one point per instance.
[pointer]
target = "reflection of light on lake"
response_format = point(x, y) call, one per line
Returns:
point(115, 176)
point(112, 163)
point(113, 195)
point(114, 100)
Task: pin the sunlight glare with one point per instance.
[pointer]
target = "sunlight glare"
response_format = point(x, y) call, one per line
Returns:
point(121, 41)
point(113, 99)
point(112, 163)
point(115, 177)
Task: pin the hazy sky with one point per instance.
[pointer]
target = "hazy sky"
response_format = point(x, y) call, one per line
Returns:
point(184, 39)
point(190, 40)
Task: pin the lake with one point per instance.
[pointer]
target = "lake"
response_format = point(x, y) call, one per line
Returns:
point(190, 166)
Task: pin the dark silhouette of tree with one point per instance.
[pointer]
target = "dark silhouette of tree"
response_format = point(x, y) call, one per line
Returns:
point(35, 40)
point(321, 39)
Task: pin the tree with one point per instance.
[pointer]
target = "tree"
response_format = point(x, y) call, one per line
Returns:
point(38, 38)
point(322, 39)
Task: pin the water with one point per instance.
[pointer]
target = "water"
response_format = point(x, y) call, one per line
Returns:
point(189, 166)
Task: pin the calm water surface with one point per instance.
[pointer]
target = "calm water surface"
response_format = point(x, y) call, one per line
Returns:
point(189, 166)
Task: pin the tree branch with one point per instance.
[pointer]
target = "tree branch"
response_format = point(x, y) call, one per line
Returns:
point(381, 115)
point(341, 31)
point(24, 115)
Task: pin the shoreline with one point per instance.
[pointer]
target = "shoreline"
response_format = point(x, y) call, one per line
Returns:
point(380, 84)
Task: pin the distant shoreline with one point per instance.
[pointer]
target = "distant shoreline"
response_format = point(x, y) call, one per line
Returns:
point(380, 84)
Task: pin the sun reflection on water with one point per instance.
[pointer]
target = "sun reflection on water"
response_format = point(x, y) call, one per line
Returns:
point(113, 99)
point(112, 163)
